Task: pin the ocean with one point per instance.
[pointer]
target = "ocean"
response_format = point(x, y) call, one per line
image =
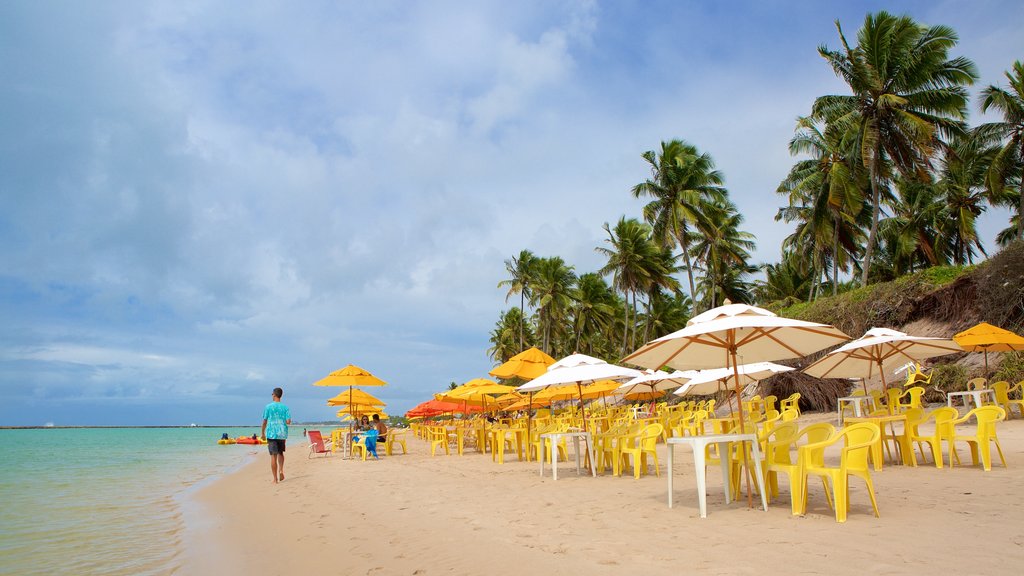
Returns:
point(106, 500)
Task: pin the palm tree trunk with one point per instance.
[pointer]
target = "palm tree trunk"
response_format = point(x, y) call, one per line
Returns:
point(1020, 209)
point(522, 318)
point(625, 322)
point(835, 260)
point(876, 210)
point(686, 258)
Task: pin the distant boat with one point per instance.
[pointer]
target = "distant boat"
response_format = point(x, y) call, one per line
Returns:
point(48, 425)
point(193, 425)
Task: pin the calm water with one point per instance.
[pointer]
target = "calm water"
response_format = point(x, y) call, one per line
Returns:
point(104, 501)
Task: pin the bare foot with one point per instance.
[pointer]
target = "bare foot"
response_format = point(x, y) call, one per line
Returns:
point(280, 476)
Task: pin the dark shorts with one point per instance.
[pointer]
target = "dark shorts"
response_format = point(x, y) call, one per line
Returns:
point(275, 446)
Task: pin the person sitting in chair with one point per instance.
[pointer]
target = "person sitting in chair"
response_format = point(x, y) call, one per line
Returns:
point(382, 428)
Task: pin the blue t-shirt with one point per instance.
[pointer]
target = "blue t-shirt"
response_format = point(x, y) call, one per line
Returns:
point(277, 415)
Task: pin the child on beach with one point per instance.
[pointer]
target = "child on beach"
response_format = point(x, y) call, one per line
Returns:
point(276, 418)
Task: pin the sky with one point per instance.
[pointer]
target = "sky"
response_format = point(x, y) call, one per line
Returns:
point(205, 200)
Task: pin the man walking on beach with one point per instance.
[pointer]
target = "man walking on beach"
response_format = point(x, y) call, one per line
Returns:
point(276, 418)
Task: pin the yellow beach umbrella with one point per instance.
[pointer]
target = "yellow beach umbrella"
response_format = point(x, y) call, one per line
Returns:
point(355, 397)
point(527, 365)
point(350, 376)
point(361, 411)
point(988, 338)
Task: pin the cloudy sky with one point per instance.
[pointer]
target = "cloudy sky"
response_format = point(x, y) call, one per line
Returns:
point(204, 200)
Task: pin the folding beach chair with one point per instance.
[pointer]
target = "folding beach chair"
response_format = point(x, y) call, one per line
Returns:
point(317, 444)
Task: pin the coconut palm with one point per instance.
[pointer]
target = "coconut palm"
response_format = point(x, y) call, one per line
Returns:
point(826, 195)
point(505, 336)
point(911, 234)
point(519, 269)
point(907, 95)
point(787, 281)
point(721, 249)
point(593, 310)
point(630, 260)
point(553, 282)
point(682, 182)
point(1008, 164)
point(965, 197)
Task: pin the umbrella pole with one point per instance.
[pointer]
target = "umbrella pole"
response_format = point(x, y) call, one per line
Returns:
point(986, 362)
point(739, 403)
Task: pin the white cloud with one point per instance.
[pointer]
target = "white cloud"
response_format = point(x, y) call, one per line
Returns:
point(203, 199)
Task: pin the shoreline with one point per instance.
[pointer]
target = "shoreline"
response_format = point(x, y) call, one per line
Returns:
point(417, 514)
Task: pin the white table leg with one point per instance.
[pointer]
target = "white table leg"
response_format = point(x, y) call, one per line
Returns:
point(698, 464)
point(540, 455)
point(552, 447)
point(593, 455)
point(576, 447)
point(760, 478)
point(839, 415)
point(671, 451)
point(725, 455)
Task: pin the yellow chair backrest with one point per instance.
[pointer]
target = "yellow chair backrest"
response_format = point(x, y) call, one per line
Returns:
point(976, 384)
point(1002, 389)
point(859, 439)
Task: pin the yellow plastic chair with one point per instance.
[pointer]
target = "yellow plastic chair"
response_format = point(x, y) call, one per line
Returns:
point(793, 401)
point(785, 463)
point(878, 399)
point(395, 436)
point(1002, 389)
point(366, 443)
point(986, 417)
point(943, 418)
point(917, 376)
point(642, 446)
point(892, 400)
point(769, 404)
point(913, 396)
point(853, 461)
point(789, 414)
point(848, 407)
point(438, 437)
point(976, 384)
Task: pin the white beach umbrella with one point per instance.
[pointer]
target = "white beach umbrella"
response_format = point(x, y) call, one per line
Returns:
point(878, 351)
point(704, 382)
point(722, 336)
point(650, 381)
point(579, 369)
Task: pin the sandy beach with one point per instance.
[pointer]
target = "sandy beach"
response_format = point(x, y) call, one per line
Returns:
point(417, 514)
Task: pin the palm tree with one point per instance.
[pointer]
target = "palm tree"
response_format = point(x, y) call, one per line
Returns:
point(826, 195)
point(906, 96)
point(553, 283)
point(519, 270)
point(666, 313)
point(965, 197)
point(1008, 164)
point(682, 182)
point(786, 281)
point(722, 249)
point(593, 312)
point(506, 333)
point(911, 234)
point(629, 262)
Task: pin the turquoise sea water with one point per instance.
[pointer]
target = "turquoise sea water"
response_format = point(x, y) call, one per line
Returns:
point(105, 500)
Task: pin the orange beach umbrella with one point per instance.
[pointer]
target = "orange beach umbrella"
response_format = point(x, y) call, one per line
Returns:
point(988, 338)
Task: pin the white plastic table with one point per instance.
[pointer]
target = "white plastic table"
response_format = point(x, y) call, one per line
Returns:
point(857, 401)
point(699, 444)
point(554, 437)
point(975, 394)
